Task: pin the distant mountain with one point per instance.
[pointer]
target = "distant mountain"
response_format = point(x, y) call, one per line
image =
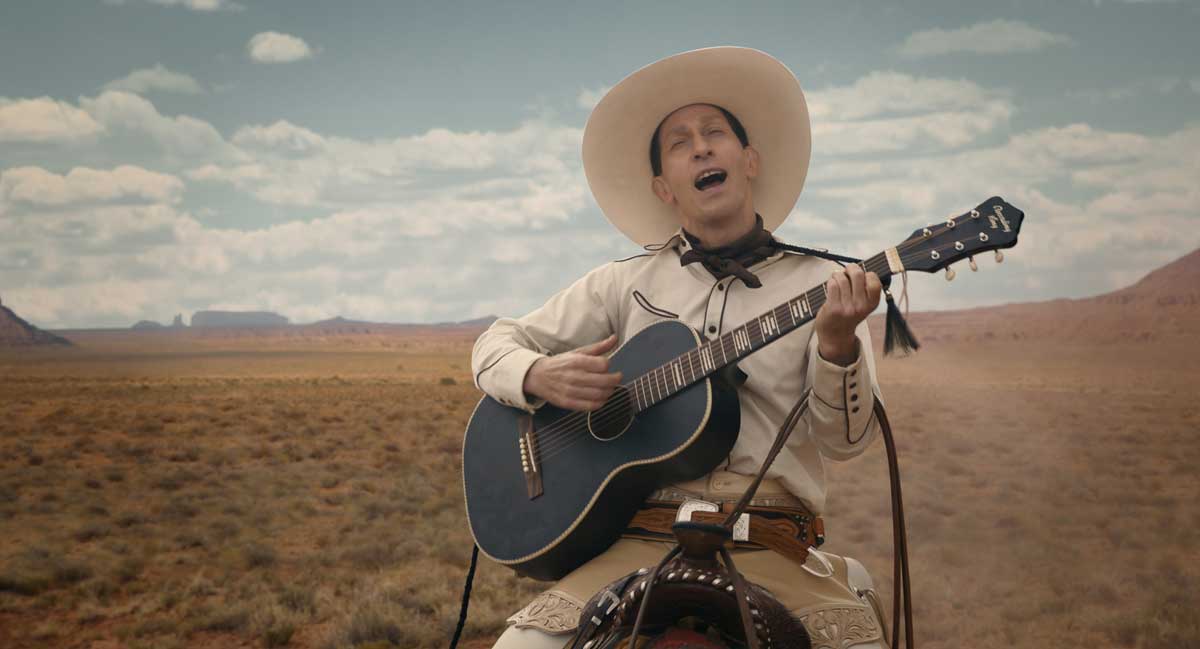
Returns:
point(237, 319)
point(485, 321)
point(1163, 304)
point(16, 332)
point(147, 324)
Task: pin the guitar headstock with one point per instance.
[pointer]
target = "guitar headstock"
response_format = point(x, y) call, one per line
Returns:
point(991, 226)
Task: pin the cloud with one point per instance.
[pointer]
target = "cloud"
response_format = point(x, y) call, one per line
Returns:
point(991, 37)
point(144, 80)
point(194, 5)
point(1195, 85)
point(38, 186)
point(377, 228)
point(384, 219)
point(1099, 205)
point(282, 137)
point(892, 111)
point(273, 47)
point(292, 165)
point(589, 97)
point(181, 135)
point(44, 120)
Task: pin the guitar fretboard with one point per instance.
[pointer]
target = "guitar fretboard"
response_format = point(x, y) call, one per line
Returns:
point(731, 346)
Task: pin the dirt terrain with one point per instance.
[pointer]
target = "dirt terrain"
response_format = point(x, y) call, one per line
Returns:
point(161, 489)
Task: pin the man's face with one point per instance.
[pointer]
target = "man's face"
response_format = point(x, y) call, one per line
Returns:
point(706, 171)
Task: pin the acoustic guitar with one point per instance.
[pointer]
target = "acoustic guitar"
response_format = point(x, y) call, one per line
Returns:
point(547, 492)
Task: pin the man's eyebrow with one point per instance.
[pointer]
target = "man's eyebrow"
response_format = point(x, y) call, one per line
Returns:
point(704, 121)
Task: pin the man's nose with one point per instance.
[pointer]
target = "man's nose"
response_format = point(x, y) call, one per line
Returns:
point(701, 148)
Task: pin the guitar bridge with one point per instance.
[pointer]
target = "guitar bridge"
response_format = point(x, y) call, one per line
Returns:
point(527, 442)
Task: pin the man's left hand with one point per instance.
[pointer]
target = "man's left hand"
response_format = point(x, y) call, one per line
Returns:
point(850, 296)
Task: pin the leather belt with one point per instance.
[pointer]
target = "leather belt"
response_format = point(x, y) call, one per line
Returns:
point(785, 530)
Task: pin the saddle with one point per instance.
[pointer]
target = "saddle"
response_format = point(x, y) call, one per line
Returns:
point(690, 599)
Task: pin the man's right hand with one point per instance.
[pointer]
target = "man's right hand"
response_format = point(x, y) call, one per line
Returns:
point(575, 380)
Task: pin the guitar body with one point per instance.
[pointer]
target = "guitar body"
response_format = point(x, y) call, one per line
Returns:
point(590, 487)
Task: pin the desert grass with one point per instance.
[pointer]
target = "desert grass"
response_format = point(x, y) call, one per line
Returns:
point(231, 493)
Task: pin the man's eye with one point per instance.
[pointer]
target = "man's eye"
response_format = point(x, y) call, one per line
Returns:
point(676, 143)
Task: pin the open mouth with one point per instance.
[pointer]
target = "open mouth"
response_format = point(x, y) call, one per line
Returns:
point(709, 179)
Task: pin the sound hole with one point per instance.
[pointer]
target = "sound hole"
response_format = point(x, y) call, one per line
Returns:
point(613, 418)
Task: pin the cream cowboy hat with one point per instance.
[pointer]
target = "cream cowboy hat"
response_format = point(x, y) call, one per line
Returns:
point(752, 85)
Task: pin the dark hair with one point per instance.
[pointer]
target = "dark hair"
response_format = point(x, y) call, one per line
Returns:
point(656, 150)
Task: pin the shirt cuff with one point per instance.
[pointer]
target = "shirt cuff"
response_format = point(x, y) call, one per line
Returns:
point(839, 386)
point(508, 379)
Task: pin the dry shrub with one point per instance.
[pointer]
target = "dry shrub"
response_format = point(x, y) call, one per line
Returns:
point(259, 555)
point(36, 570)
point(274, 625)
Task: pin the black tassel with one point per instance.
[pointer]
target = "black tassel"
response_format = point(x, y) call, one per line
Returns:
point(897, 333)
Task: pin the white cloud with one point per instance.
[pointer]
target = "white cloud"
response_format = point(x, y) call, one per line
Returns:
point(296, 166)
point(282, 136)
point(589, 97)
point(180, 135)
point(194, 5)
point(1098, 204)
point(1195, 84)
point(991, 37)
point(895, 93)
point(38, 186)
point(43, 120)
point(891, 111)
point(158, 77)
point(274, 47)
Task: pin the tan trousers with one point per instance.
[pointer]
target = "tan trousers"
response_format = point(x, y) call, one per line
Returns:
point(830, 605)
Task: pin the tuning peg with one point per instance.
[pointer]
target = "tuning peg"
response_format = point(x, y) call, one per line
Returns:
point(974, 266)
point(999, 257)
point(949, 274)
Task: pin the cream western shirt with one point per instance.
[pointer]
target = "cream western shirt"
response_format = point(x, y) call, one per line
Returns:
point(626, 296)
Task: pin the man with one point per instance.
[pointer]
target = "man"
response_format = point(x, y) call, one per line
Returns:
point(697, 157)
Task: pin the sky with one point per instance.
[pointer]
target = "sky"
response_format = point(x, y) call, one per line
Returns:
point(420, 162)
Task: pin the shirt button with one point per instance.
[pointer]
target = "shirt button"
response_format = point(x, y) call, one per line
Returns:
point(854, 409)
point(720, 287)
point(854, 397)
point(853, 372)
point(712, 329)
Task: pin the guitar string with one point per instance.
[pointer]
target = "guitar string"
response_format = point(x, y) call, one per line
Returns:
point(613, 410)
point(568, 424)
point(548, 442)
point(607, 414)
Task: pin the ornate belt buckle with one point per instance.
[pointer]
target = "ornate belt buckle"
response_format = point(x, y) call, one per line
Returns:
point(741, 528)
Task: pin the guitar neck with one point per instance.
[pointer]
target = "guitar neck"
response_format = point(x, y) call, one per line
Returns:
point(730, 347)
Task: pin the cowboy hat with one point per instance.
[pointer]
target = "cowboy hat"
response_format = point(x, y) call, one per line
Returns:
point(755, 87)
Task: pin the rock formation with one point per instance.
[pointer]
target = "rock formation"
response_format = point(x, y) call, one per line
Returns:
point(237, 319)
point(15, 332)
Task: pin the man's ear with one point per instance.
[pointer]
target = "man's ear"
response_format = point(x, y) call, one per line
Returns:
point(751, 161)
point(662, 190)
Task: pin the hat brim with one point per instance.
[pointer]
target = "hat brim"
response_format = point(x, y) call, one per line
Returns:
point(755, 87)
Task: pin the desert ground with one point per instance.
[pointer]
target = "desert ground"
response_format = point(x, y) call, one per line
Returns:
point(165, 490)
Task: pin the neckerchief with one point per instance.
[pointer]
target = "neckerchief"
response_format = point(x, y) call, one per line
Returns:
point(733, 258)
